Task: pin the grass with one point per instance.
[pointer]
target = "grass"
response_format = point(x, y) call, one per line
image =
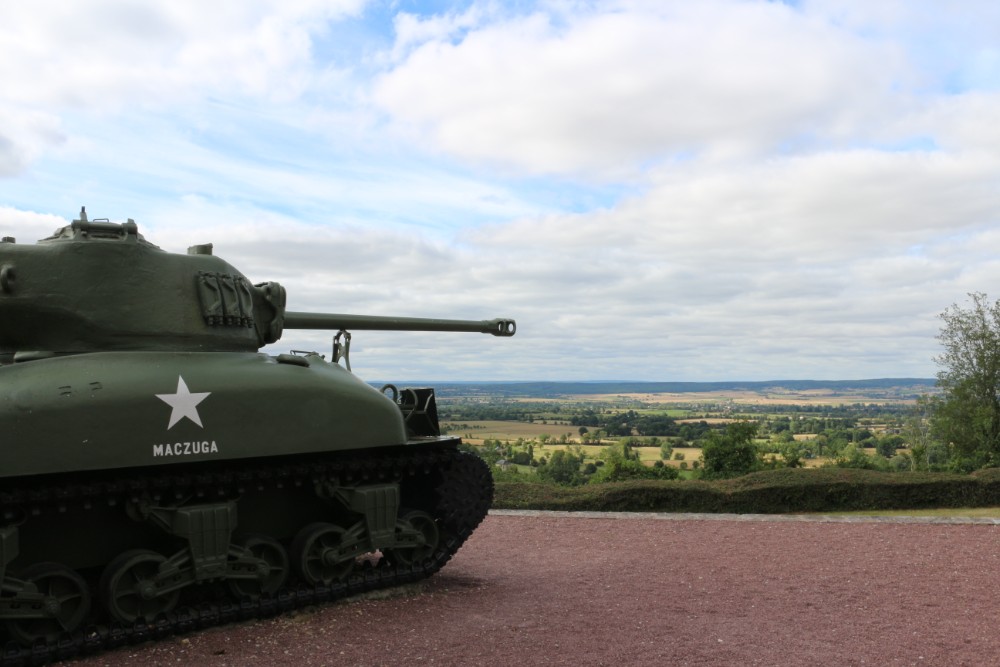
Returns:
point(945, 512)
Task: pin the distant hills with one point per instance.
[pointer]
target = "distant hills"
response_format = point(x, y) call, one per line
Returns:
point(555, 389)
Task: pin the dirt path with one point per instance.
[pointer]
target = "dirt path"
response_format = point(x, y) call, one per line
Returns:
point(560, 590)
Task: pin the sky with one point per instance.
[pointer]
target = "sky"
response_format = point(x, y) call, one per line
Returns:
point(663, 190)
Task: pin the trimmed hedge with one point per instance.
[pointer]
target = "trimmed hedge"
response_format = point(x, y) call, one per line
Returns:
point(766, 492)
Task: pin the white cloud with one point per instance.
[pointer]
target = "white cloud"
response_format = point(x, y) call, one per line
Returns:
point(962, 122)
point(113, 52)
point(112, 56)
point(412, 30)
point(836, 256)
point(611, 90)
point(950, 45)
point(24, 135)
point(791, 212)
point(28, 226)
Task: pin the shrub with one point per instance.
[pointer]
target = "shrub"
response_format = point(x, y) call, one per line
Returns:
point(521, 458)
point(901, 463)
point(852, 456)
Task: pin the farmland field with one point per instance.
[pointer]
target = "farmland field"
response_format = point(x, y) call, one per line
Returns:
point(474, 432)
point(773, 396)
point(814, 419)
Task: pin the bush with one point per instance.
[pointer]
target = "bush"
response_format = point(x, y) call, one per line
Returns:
point(521, 458)
point(765, 492)
point(512, 475)
point(852, 456)
point(901, 463)
point(620, 469)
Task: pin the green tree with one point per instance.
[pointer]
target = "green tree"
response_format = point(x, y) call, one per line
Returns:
point(792, 453)
point(666, 449)
point(967, 414)
point(917, 432)
point(887, 445)
point(489, 452)
point(822, 444)
point(562, 468)
point(783, 437)
point(732, 453)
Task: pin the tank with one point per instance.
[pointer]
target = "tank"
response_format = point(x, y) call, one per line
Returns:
point(159, 473)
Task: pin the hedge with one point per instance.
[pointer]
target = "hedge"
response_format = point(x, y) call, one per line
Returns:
point(766, 492)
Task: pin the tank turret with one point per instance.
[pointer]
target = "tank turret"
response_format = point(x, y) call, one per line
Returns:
point(157, 467)
point(100, 286)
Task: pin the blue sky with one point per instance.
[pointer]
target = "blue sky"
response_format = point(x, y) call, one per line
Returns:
point(655, 190)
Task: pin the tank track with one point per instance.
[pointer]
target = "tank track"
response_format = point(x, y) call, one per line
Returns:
point(463, 497)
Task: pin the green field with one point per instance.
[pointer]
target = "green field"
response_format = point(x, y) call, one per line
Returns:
point(947, 512)
point(477, 431)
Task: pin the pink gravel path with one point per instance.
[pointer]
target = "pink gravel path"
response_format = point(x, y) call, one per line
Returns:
point(571, 590)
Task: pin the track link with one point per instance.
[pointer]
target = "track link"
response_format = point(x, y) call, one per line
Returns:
point(463, 494)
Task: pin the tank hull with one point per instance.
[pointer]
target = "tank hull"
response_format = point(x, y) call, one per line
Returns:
point(107, 411)
point(140, 491)
point(149, 575)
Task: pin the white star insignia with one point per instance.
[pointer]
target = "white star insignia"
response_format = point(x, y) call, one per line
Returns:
point(183, 403)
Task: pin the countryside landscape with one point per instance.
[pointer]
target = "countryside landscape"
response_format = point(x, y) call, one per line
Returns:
point(864, 445)
point(750, 415)
point(519, 428)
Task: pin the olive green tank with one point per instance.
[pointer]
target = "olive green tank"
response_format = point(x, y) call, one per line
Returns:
point(158, 473)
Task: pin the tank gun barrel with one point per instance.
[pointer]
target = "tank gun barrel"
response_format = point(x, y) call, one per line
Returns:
point(335, 321)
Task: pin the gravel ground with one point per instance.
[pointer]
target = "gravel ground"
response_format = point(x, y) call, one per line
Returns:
point(567, 589)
